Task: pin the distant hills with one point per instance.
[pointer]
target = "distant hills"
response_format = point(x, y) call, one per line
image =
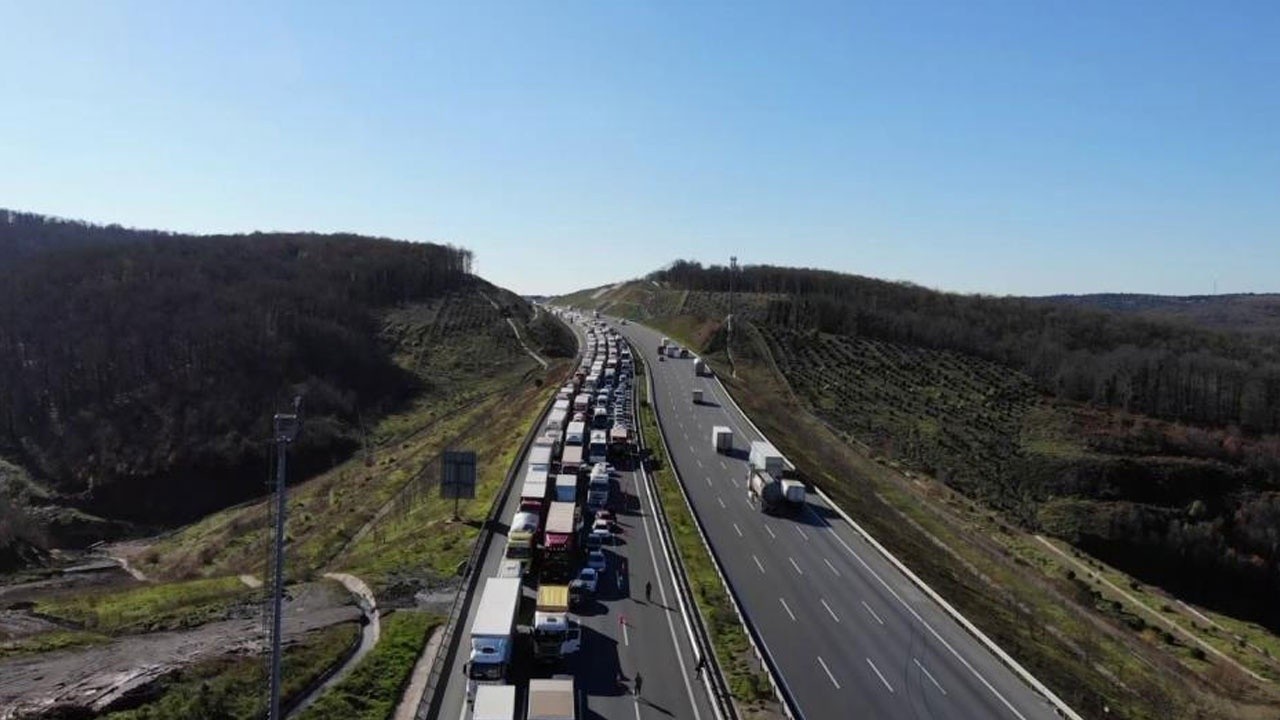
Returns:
point(1241, 312)
point(139, 369)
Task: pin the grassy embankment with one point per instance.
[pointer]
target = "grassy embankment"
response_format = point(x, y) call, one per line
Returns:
point(232, 686)
point(748, 684)
point(1087, 644)
point(149, 608)
point(373, 688)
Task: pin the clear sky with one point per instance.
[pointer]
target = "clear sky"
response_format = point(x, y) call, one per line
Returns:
point(1021, 147)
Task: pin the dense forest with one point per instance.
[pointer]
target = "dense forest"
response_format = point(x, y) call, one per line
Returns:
point(1150, 443)
point(139, 370)
point(1162, 369)
point(1247, 312)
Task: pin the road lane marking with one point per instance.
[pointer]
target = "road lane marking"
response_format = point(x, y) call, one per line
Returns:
point(697, 461)
point(770, 531)
point(873, 612)
point(879, 675)
point(726, 467)
point(735, 482)
point(794, 565)
point(626, 637)
point(830, 677)
point(784, 607)
point(833, 567)
point(708, 481)
point(926, 674)
point(828, 607)
point(720, 500)
point(797, 527)
point(735, 527)
point(753, 557)
point(954, 653)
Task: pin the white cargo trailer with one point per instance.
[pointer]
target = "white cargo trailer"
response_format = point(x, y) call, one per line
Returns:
point(721, 439)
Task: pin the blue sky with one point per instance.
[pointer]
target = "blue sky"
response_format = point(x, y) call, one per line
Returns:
point(998, 147)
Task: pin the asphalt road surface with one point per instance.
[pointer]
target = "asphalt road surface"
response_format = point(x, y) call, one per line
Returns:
point(851, 635)
point(621, 632)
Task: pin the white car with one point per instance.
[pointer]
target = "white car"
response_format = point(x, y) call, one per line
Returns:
point(600, 536)
point(597, 561)
point(602, 525)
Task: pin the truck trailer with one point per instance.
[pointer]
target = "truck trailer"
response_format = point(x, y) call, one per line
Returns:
point(553, 699)
point(598, 450)
point(494, 702)
point(559, 543)
point(493, 631)
point(521, 536)
point(571, 459)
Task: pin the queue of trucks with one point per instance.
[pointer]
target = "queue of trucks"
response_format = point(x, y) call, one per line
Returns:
point(567, 479)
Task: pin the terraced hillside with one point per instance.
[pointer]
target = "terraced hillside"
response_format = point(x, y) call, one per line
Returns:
point(960, 462)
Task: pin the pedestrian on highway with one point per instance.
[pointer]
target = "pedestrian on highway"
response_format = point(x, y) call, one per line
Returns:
point(648, 591)
point(639, 680)
point(702, 662)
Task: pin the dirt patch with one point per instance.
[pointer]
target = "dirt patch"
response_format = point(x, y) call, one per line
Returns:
point(94, 678)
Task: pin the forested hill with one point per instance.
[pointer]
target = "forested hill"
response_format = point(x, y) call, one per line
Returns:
point(1159, 368)
point(24, 234)
point(139, 370)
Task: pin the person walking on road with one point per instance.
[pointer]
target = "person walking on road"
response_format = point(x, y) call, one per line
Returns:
point(702, 662)
point(639, 681)
point(648, 591)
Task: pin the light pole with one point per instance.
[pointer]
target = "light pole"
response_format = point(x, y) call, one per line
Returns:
point(286, 426)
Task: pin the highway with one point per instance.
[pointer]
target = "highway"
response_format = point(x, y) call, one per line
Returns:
point(621, 631)
point(851, 636)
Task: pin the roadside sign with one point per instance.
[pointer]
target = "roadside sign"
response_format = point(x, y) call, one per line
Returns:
point(458, 475)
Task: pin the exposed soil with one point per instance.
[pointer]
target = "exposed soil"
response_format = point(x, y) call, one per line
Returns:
point(94, 678)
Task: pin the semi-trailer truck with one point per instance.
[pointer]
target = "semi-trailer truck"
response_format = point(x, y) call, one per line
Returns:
point(576, 434)
point(493, 631)
point(769, 482)
point(555, 633)
point(559, 543)
point(521, 536)
point(700, 367)
point(571, 459)
point(598, 487)
point(551, 699)
point(566, 487)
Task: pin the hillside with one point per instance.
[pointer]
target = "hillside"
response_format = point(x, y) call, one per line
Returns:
point(1147, 444)
point(138, 377)
point(1257, 313)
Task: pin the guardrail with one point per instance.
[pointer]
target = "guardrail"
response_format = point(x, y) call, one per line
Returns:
point(758, 646)
point(429, 706)
point(714, 680)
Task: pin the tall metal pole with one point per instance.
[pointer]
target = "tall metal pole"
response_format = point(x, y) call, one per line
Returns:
point(733, 271)
point(286, 429)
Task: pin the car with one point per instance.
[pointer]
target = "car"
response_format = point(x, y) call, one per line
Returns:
point(598, 537)
point(597, 561)
point(604, 515)
point(601, 524)
point(588, 579)
point(662, 358)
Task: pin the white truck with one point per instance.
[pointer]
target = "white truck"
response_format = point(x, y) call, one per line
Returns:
point(553, 699)
point(566, 488)
point(555, 633)
point(769, 484)
point(700, 367)
point(598, 487)
point(540, 458)
point(494, 702)
point(493, 631)
point(576, 434)
point(598, 449)
point(697, 396)
point(721, 439)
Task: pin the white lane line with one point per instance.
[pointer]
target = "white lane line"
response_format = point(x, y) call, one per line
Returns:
point(753, 557)
point(697, 461)
point(770, 531)
point(720, 500)
point(828, 607)
point(735, 527)
point(873, 612)
point(830, 677)
point(726, 467)
point(954, 653)
point(735, 482)
point(926, 674)
point(626, 637)
point(708, 482)
point(794, 565)
point(797, 527)
point(784, 607)
point(833, 567)
point(879, 675)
